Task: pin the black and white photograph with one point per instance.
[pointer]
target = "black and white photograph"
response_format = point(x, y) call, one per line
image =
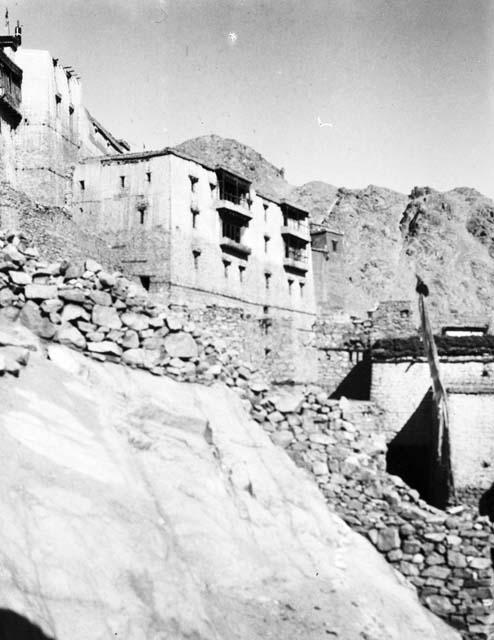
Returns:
point(247, 320)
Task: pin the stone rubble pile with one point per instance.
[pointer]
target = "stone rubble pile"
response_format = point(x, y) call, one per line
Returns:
point(108, 317)
point(445, 554)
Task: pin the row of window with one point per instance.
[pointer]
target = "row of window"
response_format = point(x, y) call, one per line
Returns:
point(227, 270)
point(122, 181)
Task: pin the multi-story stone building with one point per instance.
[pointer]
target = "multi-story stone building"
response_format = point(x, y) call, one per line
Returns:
point(56, 131)
point(192, 232)
point(45, 129)
point(197, 233)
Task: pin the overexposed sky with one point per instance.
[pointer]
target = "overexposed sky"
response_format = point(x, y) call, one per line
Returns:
point(408, 85)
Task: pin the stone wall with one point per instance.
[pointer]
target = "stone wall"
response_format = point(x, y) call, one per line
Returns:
point(394, 318)
point(446, 555)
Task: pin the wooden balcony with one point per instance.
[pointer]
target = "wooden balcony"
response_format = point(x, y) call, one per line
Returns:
point(235, 248)
point(298, 232)
point(227, 206)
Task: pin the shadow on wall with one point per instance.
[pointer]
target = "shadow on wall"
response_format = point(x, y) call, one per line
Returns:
point(16, 627)
point(357, 384)
point(412, 456)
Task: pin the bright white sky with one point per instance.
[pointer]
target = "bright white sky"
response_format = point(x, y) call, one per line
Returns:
point(408, 85)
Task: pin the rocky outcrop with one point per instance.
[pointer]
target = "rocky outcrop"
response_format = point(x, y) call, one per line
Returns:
point(134, 506)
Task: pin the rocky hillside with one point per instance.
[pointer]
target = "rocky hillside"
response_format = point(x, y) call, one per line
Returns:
point(447, 238)
point(52, 228)
point(240, 158)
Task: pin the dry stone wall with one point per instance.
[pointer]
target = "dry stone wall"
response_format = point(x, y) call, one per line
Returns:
point(445, 554)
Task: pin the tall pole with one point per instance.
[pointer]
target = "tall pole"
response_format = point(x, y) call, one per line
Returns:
point(443, 453)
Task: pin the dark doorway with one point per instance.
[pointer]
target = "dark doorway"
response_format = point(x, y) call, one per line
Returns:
point(145, 281)
point(412, 455)
point(16, 627)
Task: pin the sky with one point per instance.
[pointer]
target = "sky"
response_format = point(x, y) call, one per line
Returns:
point(395, 93)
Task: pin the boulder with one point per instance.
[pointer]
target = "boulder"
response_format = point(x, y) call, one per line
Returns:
point(6, 297)
point(173, 323)
point(105, 346)
point(40, 291)
point(134, 357)
point(20, 277)
point(69, 335)
point(320, 468)
point(180, 345)
point(100, 297)
point(106, 317)
point(31, 318)
point(106, 279)
point(92, 265)
point(73, 295)
point(440, 605)
point(51, 306)
point(130, 340)
point(288, 401)
point(388, 539)
point(74, 312)
point(136, 321)
point(283, 439)
point(72, 271)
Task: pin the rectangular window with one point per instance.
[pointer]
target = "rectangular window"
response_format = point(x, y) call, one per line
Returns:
point(335, 245)
point(82, 185)
point(266, 242)
point(234, 189)
point(301, 285)
point(232, 229)
point(194, 218)
point(122, 181)
point(265, 212)
point(71, 117)
point(142, 215)
point(295, 253)
point(290, 286)
point(58, 100)
point(196, 255)
point(267, 278)
point(193, 183)
point(226, 264)
point(241, 270)
point(148, 176)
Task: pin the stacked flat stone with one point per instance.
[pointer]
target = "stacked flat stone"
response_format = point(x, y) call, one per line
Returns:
point(444, 554)
point(106, 316)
